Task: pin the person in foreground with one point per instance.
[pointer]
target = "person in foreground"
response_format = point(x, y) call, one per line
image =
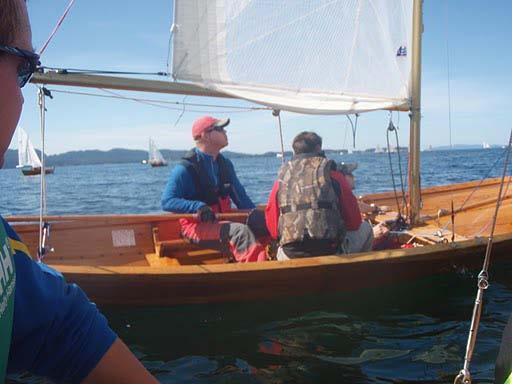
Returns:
point(205, 182)
point(47, 327)
point(311, 209)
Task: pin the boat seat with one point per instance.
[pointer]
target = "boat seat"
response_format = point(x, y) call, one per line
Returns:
point(185, 252)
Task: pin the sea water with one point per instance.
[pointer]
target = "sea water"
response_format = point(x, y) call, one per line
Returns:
point(410, 332)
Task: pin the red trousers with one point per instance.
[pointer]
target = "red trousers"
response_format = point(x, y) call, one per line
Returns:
point(235, 238)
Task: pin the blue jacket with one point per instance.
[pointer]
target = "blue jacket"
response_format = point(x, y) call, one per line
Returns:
point(180, 195)
point(57, 332)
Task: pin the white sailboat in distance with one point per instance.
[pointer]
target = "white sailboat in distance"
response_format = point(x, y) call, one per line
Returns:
point(155, 157)
point(28, 160)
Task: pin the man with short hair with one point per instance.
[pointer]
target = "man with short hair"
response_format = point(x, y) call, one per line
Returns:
point(205, 183)
point(47, 327)
point(311, 209)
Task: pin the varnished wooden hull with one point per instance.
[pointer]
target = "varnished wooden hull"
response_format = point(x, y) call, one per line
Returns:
point(89, 250)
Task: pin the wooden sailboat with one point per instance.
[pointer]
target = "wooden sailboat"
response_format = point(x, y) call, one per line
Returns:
point(155, 157)
point(141, 259)
point(28, 160)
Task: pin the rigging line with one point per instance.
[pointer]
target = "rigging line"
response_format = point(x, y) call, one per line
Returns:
point(181, 114)
point(42, 196)
point(277, 113)
point(389, 129)
point(354, 128)
point(464, 375)
point(487, 225)
point(57, 26)
point(119, 96)
point(102, 72)
point(404, 201)
point(448, 76)
point(486, 176)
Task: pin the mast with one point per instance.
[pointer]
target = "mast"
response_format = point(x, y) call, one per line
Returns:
point(415, 116)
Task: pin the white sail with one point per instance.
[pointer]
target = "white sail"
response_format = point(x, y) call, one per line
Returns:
point(27, 155)
point(155, 156)
point(320, 57)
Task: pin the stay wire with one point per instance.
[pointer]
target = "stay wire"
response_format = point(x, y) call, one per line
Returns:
point(391, 128)
point(477, 187)
point(464, 375)
point(354, 128)
point(57, 26)
point(156, 103)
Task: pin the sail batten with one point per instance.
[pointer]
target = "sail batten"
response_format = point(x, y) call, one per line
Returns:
point(314, 57)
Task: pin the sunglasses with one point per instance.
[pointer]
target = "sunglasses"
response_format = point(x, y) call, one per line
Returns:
point(218, 129)
point(29, 65)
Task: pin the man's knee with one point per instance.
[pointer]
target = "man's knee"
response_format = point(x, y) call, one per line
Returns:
point(240, 235)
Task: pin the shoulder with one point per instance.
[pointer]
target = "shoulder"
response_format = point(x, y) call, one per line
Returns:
point(11, 233)
point(227, 163)
point(338, 177)
point(225, 159)
point(181, 170)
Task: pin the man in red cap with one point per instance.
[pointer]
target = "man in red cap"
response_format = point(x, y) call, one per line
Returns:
point(205, 182)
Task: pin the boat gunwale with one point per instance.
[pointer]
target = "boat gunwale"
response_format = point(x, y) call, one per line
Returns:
point(428, 252)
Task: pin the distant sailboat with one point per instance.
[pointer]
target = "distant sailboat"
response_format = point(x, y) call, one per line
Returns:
point(378, 149)
point(28, 160)
point(155, 158)
point(486, 145)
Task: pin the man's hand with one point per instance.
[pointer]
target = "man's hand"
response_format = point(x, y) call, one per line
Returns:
point(206, 215)
point(380, 231)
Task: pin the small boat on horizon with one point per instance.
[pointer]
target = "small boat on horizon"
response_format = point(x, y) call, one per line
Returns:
point(28, 160)
point(155, 157)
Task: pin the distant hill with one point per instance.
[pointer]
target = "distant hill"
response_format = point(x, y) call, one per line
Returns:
point(113, 156)
point(120, 155)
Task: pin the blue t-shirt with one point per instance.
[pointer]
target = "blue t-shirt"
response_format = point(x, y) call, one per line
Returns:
point(57, 332)
point(180, 195)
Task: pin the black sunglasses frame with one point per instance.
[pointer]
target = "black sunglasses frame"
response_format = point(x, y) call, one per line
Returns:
point(218, 129)
point(29, 66)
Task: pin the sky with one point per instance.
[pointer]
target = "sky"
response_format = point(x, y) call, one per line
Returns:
point(128, 36)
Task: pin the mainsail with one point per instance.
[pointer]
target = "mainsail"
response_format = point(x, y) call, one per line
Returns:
point(27, 155)
point(155, 156)
point(319, 57)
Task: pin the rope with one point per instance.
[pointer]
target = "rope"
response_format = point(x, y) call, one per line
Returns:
point(392, 128)
point(464, 375)
point(354, 129)
point(43, 226)
point(57, 26)
point(156, 103)
point(182, 112)
point(277, 113)
point(491, 168)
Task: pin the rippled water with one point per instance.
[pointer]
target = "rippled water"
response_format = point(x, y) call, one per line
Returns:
point(411, 332)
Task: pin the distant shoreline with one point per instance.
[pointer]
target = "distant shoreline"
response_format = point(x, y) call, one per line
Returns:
point(127, 156)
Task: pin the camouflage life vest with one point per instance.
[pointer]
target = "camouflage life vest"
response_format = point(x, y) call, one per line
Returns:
point(307, 201)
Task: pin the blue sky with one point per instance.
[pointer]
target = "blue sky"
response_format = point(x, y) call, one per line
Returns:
point(125, 35)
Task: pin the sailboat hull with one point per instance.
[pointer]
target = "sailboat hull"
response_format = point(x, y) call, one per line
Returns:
point(141, 260)
point(33, 171)
point(158, 163)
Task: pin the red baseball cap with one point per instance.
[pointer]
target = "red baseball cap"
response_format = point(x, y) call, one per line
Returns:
point(206, 122)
